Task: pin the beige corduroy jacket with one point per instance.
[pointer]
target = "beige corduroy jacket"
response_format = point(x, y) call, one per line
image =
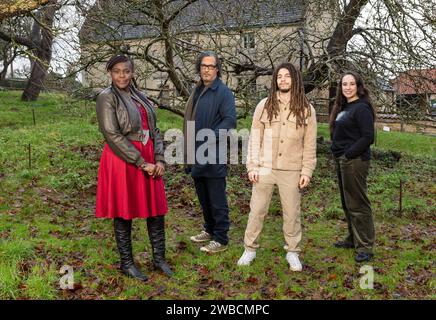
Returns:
point(279, 144)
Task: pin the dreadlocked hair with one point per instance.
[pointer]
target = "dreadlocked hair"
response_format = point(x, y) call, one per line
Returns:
point(299, 105)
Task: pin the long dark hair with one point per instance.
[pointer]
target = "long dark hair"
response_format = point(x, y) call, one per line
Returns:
point(341, 101)
point(299, 105)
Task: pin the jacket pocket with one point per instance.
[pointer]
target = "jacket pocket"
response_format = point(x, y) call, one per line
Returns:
point(292, 132)
point(271, 128)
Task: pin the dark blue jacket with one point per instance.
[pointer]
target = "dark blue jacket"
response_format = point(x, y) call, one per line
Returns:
point(215, 109)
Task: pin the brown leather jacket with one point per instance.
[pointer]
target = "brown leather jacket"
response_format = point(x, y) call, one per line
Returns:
point(120, 122)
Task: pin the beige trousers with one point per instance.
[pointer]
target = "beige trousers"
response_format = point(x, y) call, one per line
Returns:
point(287, 182)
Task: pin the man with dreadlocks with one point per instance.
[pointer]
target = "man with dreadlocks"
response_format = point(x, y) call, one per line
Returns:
point(282, 152)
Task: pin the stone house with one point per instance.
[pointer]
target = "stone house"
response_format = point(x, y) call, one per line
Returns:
point(251, 37)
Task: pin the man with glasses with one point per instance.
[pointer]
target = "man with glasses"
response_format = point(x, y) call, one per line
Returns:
point(211, 109)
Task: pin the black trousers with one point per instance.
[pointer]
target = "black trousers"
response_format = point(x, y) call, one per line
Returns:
point(352, 176)
point(211, 193)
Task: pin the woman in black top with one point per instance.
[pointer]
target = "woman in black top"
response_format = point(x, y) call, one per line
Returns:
point(352, 131)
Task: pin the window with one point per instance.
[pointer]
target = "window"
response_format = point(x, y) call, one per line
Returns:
point(249, 42)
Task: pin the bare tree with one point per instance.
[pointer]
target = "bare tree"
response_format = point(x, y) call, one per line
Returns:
point(8, 53)
point(42, 39)
point(19, 26)
point(378, 38)
point(39, 45)
point(176, 32)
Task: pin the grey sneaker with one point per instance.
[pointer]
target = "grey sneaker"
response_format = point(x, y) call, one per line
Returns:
point(202, 237)
point(213, 247)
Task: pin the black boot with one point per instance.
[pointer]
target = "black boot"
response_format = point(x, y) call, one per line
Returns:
point(343, 245)
point(123, 230)
point(348, 243)
point(363, 256)
point(156, 233)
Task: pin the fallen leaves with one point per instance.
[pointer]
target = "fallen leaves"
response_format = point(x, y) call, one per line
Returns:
point(252, 280)
point(327, 273)
point(332, 277)
point(181, 246)
point(203, 271)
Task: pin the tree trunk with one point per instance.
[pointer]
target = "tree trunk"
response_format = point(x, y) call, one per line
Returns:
point(9, 55)
point(5, 65)
point(35, 83)
point(3, 74)
point(332, 95)
point(318, 72)
point(43, 54)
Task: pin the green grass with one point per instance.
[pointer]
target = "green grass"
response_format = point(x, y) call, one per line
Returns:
point(9, 281)
point(40, 284)
point(47, 221)
point(409, 143)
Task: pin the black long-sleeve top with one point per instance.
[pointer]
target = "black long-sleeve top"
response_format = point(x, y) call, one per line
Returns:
point(353, 131)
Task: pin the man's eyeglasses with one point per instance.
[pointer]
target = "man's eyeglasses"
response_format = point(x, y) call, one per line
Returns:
point(207, 66)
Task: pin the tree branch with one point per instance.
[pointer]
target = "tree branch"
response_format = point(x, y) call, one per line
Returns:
point(16, 39)
point(12, 8)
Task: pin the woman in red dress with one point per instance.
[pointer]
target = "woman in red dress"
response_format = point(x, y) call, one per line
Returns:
point(130, 183)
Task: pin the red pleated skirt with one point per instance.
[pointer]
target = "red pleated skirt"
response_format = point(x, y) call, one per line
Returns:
point(126, 191)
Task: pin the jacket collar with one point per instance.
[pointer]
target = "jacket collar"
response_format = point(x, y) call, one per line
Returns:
point(122, 93)
point(215, 84)
point(132, 93)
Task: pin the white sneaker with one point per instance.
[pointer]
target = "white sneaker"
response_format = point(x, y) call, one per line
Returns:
point(294, 262)
point(246, 258)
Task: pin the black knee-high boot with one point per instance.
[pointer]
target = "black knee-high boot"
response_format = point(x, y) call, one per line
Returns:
point(156, 233)
point(123, 231)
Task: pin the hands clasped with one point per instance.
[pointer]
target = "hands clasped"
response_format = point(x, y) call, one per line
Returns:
point(155, 170)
